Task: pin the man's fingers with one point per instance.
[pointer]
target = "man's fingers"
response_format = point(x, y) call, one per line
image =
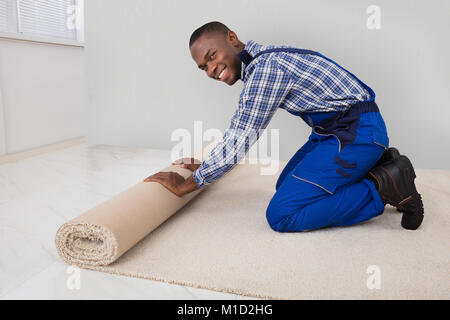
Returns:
point(181, 161)
point(155, 177)
point(186, 161)
point(153, 180)
point(158, 177)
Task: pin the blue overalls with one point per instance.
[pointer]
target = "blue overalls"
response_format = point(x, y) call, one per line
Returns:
point(324, 183)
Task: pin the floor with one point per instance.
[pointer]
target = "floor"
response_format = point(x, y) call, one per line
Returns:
point(39, 194)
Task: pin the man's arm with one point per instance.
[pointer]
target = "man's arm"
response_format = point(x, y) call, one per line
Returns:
point(264, 92)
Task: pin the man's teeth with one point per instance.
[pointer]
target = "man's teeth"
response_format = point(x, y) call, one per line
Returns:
point(221, 74)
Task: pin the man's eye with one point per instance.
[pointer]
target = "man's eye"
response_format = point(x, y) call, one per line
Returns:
point(213, 55)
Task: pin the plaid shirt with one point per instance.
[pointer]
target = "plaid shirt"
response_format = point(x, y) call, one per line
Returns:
point(291, 81)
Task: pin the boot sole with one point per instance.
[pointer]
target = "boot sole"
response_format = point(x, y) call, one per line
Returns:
point(412, 220)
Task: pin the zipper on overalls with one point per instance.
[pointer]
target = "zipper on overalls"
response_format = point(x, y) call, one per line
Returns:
point(324, 135)
point(330, 134)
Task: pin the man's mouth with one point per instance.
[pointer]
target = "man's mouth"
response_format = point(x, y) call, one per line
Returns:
point(222, 73)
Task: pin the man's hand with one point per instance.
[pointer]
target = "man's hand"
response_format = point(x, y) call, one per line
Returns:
point(174, 182)
point(188, 163)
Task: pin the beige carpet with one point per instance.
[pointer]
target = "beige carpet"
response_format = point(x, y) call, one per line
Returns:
point(221, 241)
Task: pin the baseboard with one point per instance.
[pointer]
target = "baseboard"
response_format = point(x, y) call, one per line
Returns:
point(40, 150)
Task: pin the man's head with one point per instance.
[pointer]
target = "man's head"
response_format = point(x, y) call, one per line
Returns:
point(214, 48)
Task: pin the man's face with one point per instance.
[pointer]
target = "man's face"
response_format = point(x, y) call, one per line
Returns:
point(217, 56)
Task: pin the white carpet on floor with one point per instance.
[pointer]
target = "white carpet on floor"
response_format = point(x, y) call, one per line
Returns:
point(221, 241)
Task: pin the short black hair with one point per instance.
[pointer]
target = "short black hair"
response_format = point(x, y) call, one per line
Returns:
point(209, 28)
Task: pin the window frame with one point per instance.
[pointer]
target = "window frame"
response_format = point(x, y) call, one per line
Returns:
point(48, 39)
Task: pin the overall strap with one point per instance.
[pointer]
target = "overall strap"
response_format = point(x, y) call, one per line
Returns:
point(247, 58)
point(292, 50)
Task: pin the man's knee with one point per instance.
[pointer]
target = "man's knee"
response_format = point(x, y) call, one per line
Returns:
point(282, 177)
point(271, 218)
point(276, 216)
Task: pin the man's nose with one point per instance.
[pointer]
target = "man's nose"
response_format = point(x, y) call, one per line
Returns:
point(211, 71)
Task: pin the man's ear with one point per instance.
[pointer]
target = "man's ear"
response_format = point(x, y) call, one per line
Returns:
point(233, 38)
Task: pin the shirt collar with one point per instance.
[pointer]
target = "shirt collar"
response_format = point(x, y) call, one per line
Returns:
point(250, 49)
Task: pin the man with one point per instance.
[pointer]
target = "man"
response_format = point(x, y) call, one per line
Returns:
point(344, 174)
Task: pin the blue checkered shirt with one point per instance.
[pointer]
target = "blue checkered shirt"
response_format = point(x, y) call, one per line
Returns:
point(291, 81)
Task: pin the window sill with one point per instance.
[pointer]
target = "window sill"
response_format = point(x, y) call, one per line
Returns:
point(40, 39)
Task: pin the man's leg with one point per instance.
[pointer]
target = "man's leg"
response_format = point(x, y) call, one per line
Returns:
point(300, 205)
point(294, 161)
point(327, 188)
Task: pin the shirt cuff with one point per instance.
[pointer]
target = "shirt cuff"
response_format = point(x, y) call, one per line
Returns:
point(199, 179)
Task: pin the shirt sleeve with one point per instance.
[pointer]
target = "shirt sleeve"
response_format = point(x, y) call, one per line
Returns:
point(264, 91)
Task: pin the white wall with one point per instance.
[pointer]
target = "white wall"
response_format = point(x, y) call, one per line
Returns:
point(44, 93)
point(2, 127)
point(143, 83)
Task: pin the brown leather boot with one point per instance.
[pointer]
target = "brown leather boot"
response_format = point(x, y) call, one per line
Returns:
point(388, 155)
point(395, 183)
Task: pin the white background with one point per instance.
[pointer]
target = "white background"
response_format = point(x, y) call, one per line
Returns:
point(135, 81)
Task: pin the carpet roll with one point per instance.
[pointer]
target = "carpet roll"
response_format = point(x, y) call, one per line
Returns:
point(101, 235)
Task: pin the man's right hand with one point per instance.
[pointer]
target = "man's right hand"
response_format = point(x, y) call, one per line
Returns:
point(188, 163)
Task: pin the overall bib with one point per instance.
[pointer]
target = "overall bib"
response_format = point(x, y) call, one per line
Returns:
point(324, 183)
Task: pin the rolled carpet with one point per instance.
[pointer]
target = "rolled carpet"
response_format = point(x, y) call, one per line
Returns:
point(101, 235)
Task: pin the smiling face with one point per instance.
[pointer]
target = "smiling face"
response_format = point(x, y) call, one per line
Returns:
point(216, 54)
